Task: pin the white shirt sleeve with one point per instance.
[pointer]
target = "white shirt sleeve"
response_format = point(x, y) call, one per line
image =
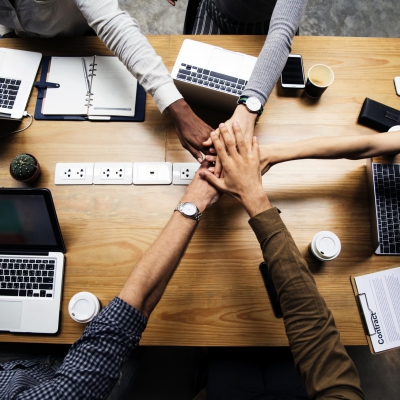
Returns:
point(121, 34)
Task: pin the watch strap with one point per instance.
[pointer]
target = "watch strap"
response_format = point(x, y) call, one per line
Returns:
point(243, 99)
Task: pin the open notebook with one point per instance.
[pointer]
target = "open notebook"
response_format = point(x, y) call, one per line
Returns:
point(95, 87)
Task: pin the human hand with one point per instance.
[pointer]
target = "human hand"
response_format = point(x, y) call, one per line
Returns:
point(240, 159)
point(172, 2)
point(192, 131)
point(246, 120)
point(200, 192)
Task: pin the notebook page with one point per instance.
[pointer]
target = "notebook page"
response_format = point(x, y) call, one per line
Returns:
point(382, 306)
point(70, 97)
point(113, 89)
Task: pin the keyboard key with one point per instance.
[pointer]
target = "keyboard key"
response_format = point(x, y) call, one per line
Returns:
point(48, 294)
point(35, 294)
point(47, 280)
point(29, 293)
point(45, 286)
point(223, 76)
point(22, 293)
point(52, 262)
point(42, 293)
point(206, 71)
point(8, 292)
point(50, 267)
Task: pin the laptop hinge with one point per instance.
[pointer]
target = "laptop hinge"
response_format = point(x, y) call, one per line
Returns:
point(30, 253)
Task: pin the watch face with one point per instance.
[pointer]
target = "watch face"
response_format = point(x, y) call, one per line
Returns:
point(253, 104)
point(188, 208)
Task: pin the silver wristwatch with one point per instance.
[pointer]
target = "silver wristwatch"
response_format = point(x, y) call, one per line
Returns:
point(189, 210)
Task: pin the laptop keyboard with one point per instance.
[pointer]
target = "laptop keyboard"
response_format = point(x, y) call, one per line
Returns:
point(387, 197)
point(8, 92)
point(27, 277)
point(211, 79)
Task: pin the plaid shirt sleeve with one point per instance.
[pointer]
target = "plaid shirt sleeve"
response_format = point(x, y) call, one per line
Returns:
point(91, 367)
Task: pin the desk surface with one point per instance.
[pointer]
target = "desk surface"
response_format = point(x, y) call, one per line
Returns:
point(216, 296)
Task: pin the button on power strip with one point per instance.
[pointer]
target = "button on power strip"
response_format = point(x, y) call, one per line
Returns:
point(148, 173)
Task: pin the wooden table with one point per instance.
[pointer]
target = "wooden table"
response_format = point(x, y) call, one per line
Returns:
point(216, 296)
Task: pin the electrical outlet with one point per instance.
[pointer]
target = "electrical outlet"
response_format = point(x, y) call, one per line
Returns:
point(148, 173)
point(183, 173)
point(74, 174)
point(112, 173)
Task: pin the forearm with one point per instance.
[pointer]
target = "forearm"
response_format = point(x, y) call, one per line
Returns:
point(121, 34)
point(321, 359)
point(153, 271)
point(284, 23)
point(351, 147)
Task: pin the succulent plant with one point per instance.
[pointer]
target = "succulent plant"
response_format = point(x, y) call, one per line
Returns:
point(25, 167)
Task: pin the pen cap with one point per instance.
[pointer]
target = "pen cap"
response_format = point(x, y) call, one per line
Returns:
point(83, 307)
point(325, 246)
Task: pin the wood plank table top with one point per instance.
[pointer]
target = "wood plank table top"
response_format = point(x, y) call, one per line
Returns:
point(216, 297)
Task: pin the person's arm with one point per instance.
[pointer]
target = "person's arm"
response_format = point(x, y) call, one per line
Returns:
point(273, 56)
point(151, 274)
point(319, 356)
point(121, 34)
point(334, 147)
point(91, 367)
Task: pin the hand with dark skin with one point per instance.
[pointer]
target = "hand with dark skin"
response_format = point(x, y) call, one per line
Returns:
point(191, 130)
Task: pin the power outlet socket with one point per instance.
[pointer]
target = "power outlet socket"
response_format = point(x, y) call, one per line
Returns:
point(112, 173)
point(183, 173)
point(74, 174)
point(152, 173)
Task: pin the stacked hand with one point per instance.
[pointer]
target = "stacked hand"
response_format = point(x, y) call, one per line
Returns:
point(240, 160)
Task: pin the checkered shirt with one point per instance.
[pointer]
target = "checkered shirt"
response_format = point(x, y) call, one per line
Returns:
point(91, 367)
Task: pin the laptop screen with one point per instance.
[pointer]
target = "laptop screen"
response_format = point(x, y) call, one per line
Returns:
point(28, 221)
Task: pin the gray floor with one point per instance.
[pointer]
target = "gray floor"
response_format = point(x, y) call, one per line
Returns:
point(168, 373)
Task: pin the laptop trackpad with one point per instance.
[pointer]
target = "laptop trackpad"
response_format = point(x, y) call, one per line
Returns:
point(226, 62)
point(10, 315)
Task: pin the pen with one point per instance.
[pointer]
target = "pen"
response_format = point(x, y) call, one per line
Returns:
point(85, 74)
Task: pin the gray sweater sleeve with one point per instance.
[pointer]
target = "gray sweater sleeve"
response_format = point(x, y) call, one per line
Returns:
point(284, 23)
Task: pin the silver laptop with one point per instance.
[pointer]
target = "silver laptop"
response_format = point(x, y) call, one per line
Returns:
point(31, 261)
point(211, 76)
point(18, 71)
point(384, 202)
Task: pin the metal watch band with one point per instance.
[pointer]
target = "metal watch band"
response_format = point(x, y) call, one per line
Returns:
point(197, 216)
point(243, 99)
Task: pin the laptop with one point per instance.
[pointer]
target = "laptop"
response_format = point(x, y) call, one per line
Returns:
point(211, 76)
point(31, 261)
point(18, 71)
point(384, 202)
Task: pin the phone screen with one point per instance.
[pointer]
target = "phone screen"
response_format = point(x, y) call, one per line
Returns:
point(292, 73)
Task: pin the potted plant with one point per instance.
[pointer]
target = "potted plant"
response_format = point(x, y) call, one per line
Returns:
point(25, 168)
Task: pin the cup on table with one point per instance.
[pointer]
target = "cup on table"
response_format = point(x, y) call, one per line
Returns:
point(319, 78)
point(325, 246)
point(83, 307)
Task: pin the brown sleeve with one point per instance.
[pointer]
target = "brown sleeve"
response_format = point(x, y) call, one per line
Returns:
point(319, 356)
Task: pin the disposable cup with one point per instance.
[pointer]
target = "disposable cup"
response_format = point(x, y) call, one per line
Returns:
point(83, 307)
point(325, 246)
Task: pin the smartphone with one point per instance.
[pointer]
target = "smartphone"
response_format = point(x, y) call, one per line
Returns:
point(269, 285)
point(293, 73)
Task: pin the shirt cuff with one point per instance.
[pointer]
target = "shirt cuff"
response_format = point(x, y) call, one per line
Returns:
point(266, 223)
point(165, 95)
point(120, 314)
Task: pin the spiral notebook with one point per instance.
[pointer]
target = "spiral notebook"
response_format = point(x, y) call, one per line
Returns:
point(88, 88)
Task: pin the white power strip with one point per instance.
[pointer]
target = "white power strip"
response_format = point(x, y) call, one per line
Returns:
point(140, 173)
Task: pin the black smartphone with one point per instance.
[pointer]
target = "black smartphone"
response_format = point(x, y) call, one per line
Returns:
point(293, 73)
point(269, 285)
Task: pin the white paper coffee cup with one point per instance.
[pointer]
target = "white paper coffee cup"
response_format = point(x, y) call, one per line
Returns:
point(83, 307)
point(325, 246)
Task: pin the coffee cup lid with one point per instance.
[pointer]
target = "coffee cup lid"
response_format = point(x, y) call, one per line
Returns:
point(327, 244)
point(394, 128)
point(83, 307)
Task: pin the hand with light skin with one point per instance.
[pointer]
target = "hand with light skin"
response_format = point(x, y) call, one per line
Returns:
point(246, 120)
point(172, 2)
point(240, 159)
point(191, 130)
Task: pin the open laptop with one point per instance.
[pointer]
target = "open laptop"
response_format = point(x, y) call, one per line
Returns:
point(384, 203)
point(211, 76)
point(31, 261)
point(18, 71)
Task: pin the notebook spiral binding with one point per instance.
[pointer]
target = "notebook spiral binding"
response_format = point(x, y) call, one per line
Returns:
point(88, 104)
point(91, 70)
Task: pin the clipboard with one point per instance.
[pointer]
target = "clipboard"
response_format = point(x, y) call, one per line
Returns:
point(368, 315)
point(42, 86)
